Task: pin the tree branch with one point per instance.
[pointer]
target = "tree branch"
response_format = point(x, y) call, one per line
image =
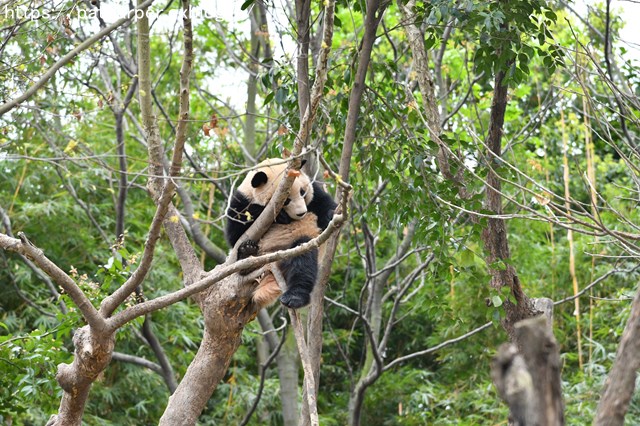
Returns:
point(132, 359)
point(220, 272)
point(374, 12)
point(24, 247)
point(165, 366)
point(156, 155)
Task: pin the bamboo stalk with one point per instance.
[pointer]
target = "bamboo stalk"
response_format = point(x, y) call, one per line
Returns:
point(591, 177)
point(572, 261)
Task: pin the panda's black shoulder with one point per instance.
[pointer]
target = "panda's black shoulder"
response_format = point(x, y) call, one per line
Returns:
point(322, 205)
point(242, 212)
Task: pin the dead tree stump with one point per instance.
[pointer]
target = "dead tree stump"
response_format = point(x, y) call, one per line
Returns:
point(528, 378)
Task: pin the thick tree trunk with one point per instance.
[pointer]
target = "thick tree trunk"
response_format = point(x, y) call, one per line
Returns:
point(202, 377)
point(495, 234)
point(226, 310)
point(527, 373)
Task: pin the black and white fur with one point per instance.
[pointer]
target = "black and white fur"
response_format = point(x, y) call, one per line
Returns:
point(306, 212)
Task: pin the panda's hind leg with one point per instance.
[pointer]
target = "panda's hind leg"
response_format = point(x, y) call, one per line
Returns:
point(300, 274)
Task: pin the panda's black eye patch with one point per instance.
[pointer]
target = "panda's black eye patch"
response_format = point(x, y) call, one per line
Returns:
point(286, 203)
point(302, 192)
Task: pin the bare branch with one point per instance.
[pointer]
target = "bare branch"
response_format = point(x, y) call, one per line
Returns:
point(156, 155)
point(25, 247)
point(437, 347)
point(132, 359)
point(165, 366)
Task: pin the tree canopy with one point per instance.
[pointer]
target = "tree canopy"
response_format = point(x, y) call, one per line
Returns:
point(484, 155)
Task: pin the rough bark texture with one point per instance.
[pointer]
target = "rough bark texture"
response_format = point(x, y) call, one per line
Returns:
point(528, 378)
point(91, 357)
point(530, 386)
point(226, 311)
point(495, 234)
point(620, 384)
point(226, 306)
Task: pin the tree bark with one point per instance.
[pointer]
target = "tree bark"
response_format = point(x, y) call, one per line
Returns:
point(92, 355)
point(288, 370)
point(620, 384)
point(226, 313)
point(495, 234)
point(288, 367)
point(374, 13)
point(303, 13)
point(528, 379)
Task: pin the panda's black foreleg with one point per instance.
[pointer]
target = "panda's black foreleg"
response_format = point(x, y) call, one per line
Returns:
point(300, 274)
point(247, 249)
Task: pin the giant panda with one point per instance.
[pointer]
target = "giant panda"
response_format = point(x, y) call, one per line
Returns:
point(305, 214)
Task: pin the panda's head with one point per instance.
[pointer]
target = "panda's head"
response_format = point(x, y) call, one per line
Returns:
point(261, 184)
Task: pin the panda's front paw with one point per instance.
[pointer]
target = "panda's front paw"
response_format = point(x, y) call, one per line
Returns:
point(247, 249)
point(295, 300)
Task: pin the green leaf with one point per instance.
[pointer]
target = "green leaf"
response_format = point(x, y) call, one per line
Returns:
point(467, 258)
point(246, 4)
point(268, 98)
point(496, 301)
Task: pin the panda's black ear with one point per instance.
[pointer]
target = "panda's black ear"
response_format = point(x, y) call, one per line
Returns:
point(259, 179)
